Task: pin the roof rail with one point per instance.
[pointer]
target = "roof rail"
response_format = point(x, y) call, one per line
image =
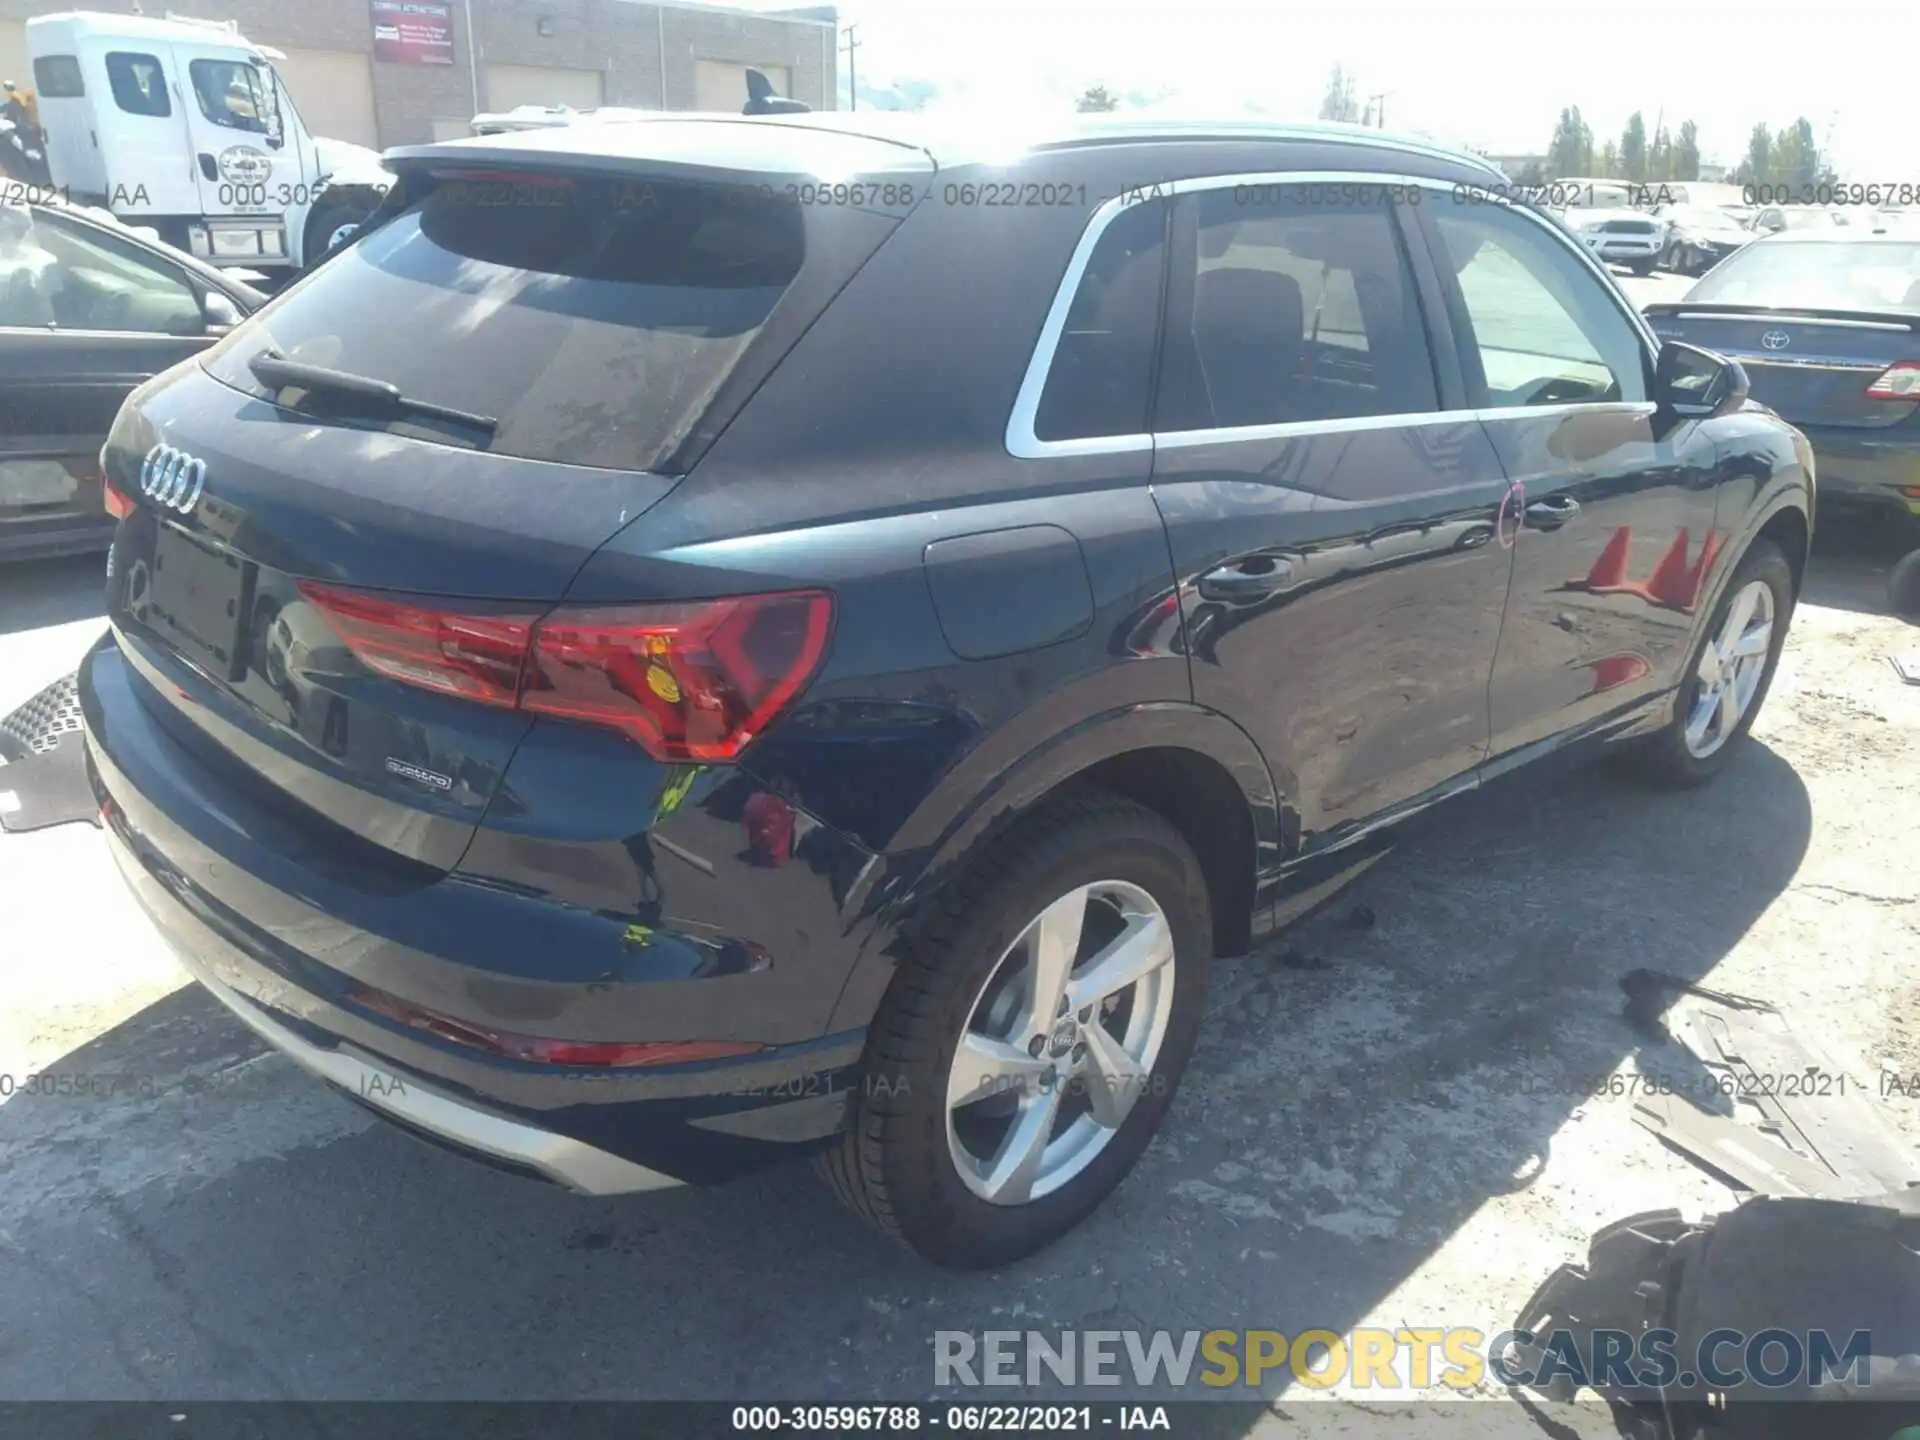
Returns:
point(1333, 130)
point(221, 27)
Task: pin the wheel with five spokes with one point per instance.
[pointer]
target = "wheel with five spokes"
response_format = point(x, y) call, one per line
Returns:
point(1731, 668)
point(1032, 1037)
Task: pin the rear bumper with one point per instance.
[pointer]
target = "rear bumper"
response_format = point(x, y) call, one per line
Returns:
point(1867, 467)
point(558, 1158)
point(1623, 248)
point(269, 937)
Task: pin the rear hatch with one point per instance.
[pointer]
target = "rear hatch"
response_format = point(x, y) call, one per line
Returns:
point(1811, 367)
point(346, 520)
point(1818, 325)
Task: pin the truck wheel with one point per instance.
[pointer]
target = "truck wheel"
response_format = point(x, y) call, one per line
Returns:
point(1030, 1043)
point(330, 227)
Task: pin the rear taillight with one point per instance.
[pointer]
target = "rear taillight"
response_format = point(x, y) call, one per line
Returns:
point(1899, 381)
point(477, 657)
point(539, 1049)
point(691, 681)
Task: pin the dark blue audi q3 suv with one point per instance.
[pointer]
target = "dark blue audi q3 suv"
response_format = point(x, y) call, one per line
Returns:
point(698, 641)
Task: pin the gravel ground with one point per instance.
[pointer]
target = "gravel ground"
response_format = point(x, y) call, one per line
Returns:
point(1392, 1125)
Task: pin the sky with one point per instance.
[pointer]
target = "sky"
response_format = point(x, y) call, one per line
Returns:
point(1494, 75)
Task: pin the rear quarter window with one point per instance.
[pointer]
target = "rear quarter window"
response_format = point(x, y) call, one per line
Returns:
point(57, 77)
point(595, 319)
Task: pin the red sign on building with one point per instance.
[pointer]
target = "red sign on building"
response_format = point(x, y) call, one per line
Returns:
point(413, 32)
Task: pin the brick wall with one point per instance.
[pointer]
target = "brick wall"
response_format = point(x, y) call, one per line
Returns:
point(622, 40)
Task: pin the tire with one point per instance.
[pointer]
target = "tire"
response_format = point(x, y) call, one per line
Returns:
point(1667, 759)
point(323, 223)
point(1903, 587)
point(899, 1166)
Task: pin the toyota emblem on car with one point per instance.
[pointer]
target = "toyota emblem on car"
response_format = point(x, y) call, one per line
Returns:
point(1776, 340)
point(172, 478)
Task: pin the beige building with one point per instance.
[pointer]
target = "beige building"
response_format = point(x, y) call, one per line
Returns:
point(658, 55)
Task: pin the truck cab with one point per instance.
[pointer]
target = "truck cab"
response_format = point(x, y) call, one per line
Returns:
point(185, 127)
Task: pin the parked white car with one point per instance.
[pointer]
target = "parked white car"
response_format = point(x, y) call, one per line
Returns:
point(1620, 237)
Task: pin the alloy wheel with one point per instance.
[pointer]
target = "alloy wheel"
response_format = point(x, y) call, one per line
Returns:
point(1730, 670)
point(1060, 1042)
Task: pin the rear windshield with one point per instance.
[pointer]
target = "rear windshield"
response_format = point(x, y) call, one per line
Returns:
point(593, 318)
point(1820, 275)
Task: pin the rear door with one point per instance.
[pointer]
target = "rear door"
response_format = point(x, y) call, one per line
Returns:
point(1615, 513)
point(84, 317)
point(1331, 506)
point(329, 595)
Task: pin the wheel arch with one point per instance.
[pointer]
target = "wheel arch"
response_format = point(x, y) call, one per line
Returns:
point(1189, 764)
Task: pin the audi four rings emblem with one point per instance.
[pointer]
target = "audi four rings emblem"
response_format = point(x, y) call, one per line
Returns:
point(1776, 339)
point(172, 478)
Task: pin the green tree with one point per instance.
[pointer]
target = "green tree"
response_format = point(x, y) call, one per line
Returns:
point(1339, 103)
point(1571, 150)
point(1660, 156)
point(1796, 157)
point(1757, 167)
point(1609, 161)
point(1686, 152)
point(1095, 99)
point(1633, 148)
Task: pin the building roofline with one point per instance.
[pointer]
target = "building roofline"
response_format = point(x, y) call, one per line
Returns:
point(742, 11)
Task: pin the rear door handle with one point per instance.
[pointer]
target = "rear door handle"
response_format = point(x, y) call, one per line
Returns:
point(1248, 579)
point(1552, 512)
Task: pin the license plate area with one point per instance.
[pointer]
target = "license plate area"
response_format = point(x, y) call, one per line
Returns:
point(197, 600)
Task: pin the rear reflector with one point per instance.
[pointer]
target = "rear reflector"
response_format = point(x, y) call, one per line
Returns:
point(119, 505)
point(538, 1049)
point(1899, 381)
point(693, 681)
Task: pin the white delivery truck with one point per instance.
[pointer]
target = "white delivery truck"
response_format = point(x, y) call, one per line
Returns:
point(184, 127)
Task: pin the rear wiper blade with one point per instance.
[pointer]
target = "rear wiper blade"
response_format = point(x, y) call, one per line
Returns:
point(279, 373)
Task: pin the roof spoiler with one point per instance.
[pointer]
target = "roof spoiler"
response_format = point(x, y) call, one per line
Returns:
point(763, 99)
point(1871, 317)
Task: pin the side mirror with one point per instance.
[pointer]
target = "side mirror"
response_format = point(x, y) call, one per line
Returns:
point(221, 313)
point(1697, 383)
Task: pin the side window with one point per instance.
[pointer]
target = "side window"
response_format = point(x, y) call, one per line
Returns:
point(139, 84)
point(232, 93)
point(1103, 364)
point(1548, 332)
point(57, 77)
point(58, 275)
point(1303, 309)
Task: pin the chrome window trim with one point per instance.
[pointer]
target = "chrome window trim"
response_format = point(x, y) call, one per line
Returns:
point(1023, 444)
point(1771, 359)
